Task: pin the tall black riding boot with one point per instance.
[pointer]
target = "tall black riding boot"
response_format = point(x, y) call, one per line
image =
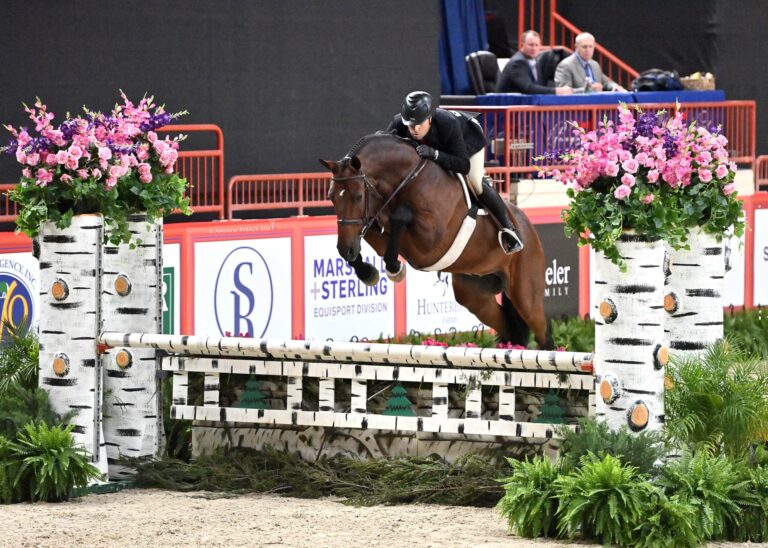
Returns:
point(508, 238)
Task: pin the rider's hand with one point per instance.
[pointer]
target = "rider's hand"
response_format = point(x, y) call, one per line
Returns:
point(426, 152)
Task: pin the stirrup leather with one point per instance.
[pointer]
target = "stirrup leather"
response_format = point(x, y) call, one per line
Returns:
point(517, 243)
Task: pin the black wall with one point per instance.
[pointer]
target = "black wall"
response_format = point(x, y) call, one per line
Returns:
point(288, 81)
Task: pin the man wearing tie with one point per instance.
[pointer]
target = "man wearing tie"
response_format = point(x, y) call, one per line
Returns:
point(582, 73)
point(521, 73)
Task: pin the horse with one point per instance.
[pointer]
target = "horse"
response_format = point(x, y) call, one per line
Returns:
point(403, 205)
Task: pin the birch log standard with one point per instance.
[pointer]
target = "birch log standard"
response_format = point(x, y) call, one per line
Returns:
point(629, 356)
point(693, 297)
point(70, 368)
point(131, 296)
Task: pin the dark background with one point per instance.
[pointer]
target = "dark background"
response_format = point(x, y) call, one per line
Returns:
point(290, 81)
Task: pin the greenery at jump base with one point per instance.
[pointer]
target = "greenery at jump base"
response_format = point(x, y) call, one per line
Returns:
point(612, 487)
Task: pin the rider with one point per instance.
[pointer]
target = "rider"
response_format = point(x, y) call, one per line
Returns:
point(456, 143)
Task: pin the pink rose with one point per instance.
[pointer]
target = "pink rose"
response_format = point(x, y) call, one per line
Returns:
point(721, 171)
point(168, 157)
point(96, 173)
point(44, 177)
point(729, 189)
point(66, 178)
point(143, 154)
point(26, 172)
point(20, 156)
point(628, 180)
point(612, 169)
point(704, 157)
point(115, 172)
point(110, 183)
point(82, 173)
point(23, 138)
point(705, 175)
point(653, 175)
point(70, 163)
point(622, 192)
point(151, 136)
point(630, 166)
point(648, 198)
point(33, 159)
point(75, 152)
point(50, 159)
point(105, 153)
point(160, 146)
point(61, 157)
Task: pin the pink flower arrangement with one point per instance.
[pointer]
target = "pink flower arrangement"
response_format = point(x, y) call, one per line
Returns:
point(649, 172)
point(114, 164)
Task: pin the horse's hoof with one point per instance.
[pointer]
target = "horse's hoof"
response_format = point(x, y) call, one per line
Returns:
point(398, 276)
point(373, 279)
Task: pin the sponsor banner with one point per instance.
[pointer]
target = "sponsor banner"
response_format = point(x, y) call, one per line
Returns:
point(431, 307)
point(761, 257)
point(171, 289)
point(733, 291)
point(19, 293)
point(243, 287)
point(337, 305)
point(561, 293)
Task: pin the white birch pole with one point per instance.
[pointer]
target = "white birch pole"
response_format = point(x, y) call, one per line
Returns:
point(629, 355)
point(131, 296)
point(693, 296)
point(70, 368)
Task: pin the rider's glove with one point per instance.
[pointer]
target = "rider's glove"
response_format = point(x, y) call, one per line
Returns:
point(426, 152)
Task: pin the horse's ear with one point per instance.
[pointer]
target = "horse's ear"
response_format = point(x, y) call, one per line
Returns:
point(355, 163)
point(329, 164)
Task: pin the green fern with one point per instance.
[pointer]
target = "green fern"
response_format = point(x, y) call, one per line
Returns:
point(714, 485)
point(529, 503)
point(754, 523)
point(604, 500)
point(51, 465)
point(19, 359)
point(719, 401)
point(641, 450)
point(20, 406)
point(670, 523)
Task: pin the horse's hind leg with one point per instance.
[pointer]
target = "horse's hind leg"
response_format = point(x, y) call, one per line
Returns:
point(478, 295)
point(526, 303)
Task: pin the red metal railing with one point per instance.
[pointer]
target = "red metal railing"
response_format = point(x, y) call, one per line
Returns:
point(8, 209)
point(760, 170)
point(282, 191)
point(555, 30)
point(518, 135)
point(203, 169)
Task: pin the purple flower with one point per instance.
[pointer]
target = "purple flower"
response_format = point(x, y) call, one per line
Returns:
point(68, 128)
point(156, 121)
point(10, 149)
point(670, 146)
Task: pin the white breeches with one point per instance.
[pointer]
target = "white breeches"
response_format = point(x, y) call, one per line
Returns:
point(477, 171)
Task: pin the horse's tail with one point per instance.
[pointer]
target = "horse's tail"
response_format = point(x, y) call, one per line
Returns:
point(519, 332)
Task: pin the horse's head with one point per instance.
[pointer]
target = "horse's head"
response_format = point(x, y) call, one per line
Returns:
point(361, 182)
point(350, 197)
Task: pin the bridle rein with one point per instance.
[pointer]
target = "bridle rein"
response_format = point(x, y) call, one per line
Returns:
point(368, 220)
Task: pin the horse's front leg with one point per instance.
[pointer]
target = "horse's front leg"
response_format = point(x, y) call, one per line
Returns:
point(400, 219)
point(365, 272)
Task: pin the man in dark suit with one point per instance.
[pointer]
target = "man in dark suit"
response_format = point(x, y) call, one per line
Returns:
point(521, 74)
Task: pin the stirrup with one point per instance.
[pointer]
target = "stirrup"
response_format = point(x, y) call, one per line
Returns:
point(512, 246)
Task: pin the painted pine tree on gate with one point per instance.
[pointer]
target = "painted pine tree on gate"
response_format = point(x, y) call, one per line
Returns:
point(252, 397)
point(398, 403)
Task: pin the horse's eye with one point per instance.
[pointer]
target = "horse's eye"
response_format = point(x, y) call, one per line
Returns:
point(358, 197)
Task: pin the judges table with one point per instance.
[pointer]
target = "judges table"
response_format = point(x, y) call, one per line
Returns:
point(533, 134)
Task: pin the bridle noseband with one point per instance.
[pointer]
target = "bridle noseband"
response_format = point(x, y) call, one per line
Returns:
point(368, 220)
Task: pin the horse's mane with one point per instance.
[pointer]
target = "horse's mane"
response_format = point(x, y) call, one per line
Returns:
point(366, 139)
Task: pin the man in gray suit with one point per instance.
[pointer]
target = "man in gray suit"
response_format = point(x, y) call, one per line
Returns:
point(582, 73)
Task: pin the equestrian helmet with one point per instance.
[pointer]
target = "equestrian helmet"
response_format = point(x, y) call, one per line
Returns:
point(417, 107)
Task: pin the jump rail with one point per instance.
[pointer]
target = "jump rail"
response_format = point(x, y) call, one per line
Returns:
point(377, 353)
point(328, 362)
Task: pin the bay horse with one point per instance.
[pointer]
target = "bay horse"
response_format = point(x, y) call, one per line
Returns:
point(407, 206)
